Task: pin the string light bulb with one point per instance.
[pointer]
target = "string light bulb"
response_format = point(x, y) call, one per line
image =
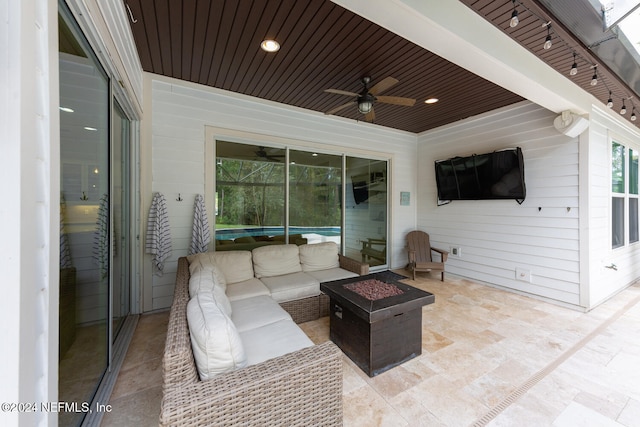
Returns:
point(610, 101)
point(594, 79)
point(623, 110)
point(633, 114)
point(574, 66)
point(514, 16)
point(547, 40)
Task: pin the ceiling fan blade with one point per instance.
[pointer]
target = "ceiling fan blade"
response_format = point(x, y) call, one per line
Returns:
point(342, 107)
point(396, 100)
point(383, 85)
point(370, 116)
point(341, 92)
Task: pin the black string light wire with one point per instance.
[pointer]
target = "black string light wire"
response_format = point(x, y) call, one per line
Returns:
point(552, 39)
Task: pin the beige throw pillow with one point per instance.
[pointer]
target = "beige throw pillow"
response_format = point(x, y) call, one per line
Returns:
point(276, 260)
point(319, 256)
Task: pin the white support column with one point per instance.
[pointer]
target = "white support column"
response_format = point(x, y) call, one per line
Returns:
point(29, 214)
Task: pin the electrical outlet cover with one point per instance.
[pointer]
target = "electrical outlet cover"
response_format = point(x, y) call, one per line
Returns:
point(523, 275)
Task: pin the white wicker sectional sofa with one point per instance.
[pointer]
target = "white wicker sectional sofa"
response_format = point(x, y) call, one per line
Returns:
point(234, 354)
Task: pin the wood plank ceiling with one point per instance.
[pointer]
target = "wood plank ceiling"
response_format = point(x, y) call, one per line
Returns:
point(217, 43)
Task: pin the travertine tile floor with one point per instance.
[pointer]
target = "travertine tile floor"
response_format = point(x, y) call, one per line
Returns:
point(489, 357)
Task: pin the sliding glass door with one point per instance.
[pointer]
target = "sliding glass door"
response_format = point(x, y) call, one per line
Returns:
point(328, 197)
point(249, 194)
point(85, 213)
point(121, 224)
point(94, 220)
point(366, 210)
point(315, 191)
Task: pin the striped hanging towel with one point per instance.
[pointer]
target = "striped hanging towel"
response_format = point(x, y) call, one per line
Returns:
point(101, 237)
point(200, 236)
point(158, 233)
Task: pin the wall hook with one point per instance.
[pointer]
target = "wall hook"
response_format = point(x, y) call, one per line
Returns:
point(134, 20)
point(84, 196)
point(179, 199)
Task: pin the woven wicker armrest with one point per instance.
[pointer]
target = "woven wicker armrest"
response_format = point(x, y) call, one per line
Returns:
point(354, 266)
point(302, 388)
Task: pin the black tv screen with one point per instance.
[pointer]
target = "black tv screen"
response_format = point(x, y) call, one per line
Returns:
point(496, 175)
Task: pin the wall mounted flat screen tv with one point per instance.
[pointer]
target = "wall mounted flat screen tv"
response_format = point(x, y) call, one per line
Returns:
point(496, 175)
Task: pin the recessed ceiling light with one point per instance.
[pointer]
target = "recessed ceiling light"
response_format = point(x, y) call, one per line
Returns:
point(66, 109)
point(90, 128)
point(314, 155)
point(270, 45)
point(431, 101)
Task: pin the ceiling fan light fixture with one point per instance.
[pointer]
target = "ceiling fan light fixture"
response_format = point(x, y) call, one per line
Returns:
point(364, 105)
point(269, 45)
point(365, 101)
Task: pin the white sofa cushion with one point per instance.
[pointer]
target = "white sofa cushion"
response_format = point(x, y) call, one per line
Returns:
point(251, 313)
point(319, 256)
point(276, 260)
point(217, 346)
point(292, 286)
point(205, 279)
point(236, 266)
point(331, 274)
point(247, 289)
point(273, 340)
point(205, 262)
point(221, 299)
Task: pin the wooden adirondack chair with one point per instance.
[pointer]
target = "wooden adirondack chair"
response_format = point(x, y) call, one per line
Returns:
point(420, 254)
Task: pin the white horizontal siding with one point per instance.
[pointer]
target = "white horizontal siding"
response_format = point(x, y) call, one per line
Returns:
point(126, 59)
point(180, 113)
point(605, 282)
point(498, 236)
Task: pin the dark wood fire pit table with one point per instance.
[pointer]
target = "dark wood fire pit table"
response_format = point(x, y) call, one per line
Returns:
point(376, 320)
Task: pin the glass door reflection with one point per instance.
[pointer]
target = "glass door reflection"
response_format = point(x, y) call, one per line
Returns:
point(315, 193)
point(366, 210)
point(84, 226)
